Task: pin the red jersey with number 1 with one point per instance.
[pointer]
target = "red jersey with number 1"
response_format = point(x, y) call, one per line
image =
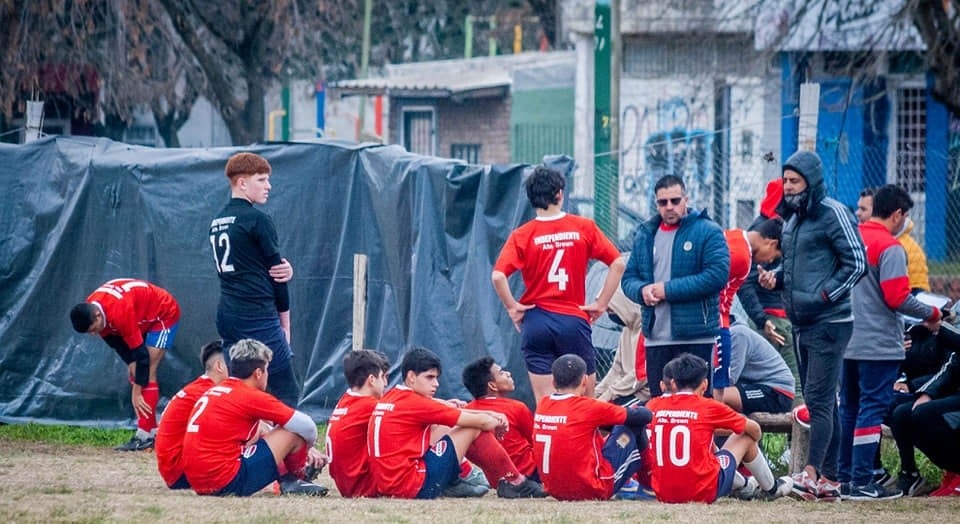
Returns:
point(552, 256)
point(134, 307)
point(685, 468)
point(399, 435)
point(347, 445)
point(173, 426)
point(741, 257)
point(568, 446)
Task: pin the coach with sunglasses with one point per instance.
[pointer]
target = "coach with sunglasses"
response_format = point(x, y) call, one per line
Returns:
point(676, 270)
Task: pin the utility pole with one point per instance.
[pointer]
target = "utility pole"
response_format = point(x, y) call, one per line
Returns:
point(605, 166)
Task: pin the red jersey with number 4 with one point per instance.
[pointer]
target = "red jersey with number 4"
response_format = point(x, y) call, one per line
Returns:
point(567, 446)
point(134, 307)
point(173, 426)
point(741, 257)
point(518, 440)
point(685, 468)
point(552, 256)
point(223, 420)
point(347, 445)
point(398, 436)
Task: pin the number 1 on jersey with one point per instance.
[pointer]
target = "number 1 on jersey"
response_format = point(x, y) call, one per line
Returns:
point(558, 274)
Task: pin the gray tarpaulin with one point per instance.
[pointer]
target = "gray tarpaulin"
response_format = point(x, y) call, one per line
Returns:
point(77, 212)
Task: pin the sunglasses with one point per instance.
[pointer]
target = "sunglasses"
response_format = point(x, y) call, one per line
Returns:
point(675, 201)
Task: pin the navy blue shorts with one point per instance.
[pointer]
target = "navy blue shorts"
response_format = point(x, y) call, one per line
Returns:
point(257, 470)
point(181, 483)
point(443, 468)
point(728, 469)
point(620, 450)
point(547, 336)
point(233, 327)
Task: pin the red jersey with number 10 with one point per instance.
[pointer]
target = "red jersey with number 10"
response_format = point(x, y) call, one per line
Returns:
point(685, 468)
point(347, 445)
point(552, 255)
point(134, 307)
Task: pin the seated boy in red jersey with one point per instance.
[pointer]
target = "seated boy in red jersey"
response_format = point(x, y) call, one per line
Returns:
point(416, 442)
point(686, 468)
point(224, 452)
point(173, 423)
point(491, 386)
point(575, 461)
point(366, 373)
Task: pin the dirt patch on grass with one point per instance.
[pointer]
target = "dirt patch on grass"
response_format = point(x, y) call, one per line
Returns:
point(48, 483)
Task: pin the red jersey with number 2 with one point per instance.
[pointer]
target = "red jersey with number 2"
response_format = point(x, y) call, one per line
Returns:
point(685, 468)
point(552, 256)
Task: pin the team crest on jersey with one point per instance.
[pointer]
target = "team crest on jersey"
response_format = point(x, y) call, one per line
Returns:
point(724, 461)
point(623, 441)
point(688, 245)
point(249, 451)
point(440, 448)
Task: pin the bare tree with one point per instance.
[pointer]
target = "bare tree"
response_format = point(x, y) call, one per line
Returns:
point(938, 22)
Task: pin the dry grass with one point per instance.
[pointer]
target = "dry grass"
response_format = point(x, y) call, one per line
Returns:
point(42, 482)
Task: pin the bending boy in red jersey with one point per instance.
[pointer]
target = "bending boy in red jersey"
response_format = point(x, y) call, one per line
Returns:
point(173, 423)
point(552, 252)
point(366, 373)
point(139, 321)
point(224, 452)
point(416, 442)
point(686, 468)
point(576, 462)
point(490, 386)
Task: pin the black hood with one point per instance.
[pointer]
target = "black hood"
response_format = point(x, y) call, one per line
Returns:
point(808, 164)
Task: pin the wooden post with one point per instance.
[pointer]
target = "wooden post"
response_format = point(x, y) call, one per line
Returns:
point(809, 113)
point(799, 447)
point(359, 299)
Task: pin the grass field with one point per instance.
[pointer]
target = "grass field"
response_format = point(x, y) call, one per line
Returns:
point(46, 476)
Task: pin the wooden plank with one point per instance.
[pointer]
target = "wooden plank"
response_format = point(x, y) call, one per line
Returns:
point(359, 299)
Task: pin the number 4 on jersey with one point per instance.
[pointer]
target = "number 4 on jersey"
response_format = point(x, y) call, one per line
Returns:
point(558, 274)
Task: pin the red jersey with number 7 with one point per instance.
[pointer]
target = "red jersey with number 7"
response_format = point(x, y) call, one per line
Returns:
point(347, 445)
point(568, 446)
point(685, 468)
point(552, 254)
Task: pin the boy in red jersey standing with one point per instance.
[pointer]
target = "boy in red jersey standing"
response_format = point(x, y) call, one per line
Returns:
point(173, 423)
point(576, 462)
point(686, 468)
point(416, 442)
point(139, 321)
point(552, 252)
point(491, 386)
point(366, 373)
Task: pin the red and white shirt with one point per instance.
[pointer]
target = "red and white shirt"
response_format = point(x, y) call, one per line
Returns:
point(133, 307)
point(552, 256)
point(173, 426)
point(347, 445)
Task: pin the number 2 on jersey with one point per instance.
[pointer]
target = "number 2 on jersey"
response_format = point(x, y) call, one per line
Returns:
point(558, 274)
point(223, 263)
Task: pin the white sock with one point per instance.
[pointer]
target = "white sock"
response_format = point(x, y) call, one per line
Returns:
point(739, 480)
point(142, 435)
point(761, 471)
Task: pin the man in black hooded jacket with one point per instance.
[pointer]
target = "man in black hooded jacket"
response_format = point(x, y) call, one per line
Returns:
point(823, 258)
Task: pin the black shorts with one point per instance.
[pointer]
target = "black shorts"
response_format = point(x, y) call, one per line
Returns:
point(758, 398)
point(547, 336)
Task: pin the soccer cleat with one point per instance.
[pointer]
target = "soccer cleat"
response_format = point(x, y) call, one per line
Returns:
point(748, 491)
point(828, 490)
point(476, 477)
point(781, 488)
point(136, 444)
point(528, 489)
point(873, 491)
point(290, 485)
point(632, 490)
point(802, 415)
point(913, 484)
point(804, 486)
point(462, 490)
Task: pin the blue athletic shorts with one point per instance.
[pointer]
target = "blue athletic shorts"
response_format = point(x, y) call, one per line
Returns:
point(257, 470)
point(728, 469)
point(547, 336)
point(620, 450)
point(443, 468)
point(162, 339)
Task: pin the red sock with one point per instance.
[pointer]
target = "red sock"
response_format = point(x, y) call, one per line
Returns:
point(151, 394)
point(296, 462)
point(465, 468)
point(487, 453)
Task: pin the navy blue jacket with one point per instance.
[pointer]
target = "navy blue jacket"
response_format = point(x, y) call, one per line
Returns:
point(699, 270)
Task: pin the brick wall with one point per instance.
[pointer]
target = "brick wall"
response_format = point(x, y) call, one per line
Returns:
point(484, 121)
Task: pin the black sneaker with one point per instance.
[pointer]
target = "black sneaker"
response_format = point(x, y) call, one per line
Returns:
point(913, 484)
point(845, 489)
point(528, 489)
point(462, 490)
point(290, 485)
point(874, 491)
point(884, 478)
point(781, 488)
point(136, 444)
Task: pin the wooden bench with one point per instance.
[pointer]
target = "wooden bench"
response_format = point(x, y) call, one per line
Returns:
point(784, 423)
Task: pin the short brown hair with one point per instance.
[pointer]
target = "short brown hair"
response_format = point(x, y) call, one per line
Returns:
point(246, 164)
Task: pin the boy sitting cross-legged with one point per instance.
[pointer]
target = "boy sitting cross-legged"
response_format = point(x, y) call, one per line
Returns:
point(416, 442)
point(576, 462)
point(686, 467)
point(366, 373)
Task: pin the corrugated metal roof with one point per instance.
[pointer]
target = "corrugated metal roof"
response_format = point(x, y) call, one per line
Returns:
point(463, 78)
